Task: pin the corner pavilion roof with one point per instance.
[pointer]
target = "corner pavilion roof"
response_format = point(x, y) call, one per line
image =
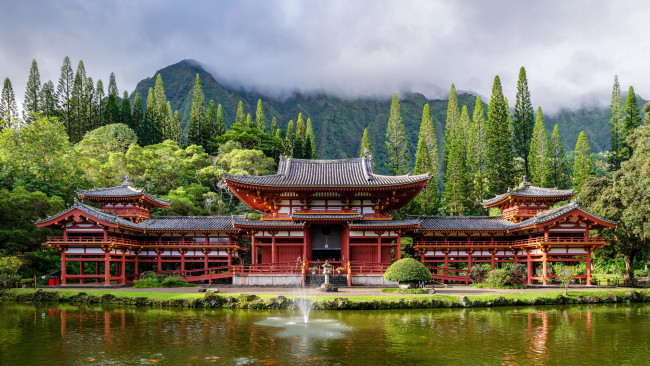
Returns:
point(123, 191)
point(527, 190)
point(353, 172)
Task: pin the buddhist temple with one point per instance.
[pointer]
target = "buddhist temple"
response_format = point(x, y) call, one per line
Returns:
point(314, 211)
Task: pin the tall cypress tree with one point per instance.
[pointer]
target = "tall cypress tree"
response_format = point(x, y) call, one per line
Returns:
point(477, 156)
point(500, 168)
point(583, 163)
point(539, 154)
point(195, 133)
point(310, 134)
point(125, 114)
point(47, 99)
point(451, 124)
point(558, 162)
point(524, 120)
point(137, 117)
point(220, 128)
point(210, 130)
point(150, 126)
point(260, 120)
point(396, 143)
point(64, 93)
point(88, 106)
point(631, 120)
point(112, 113)
point(99, 101)
point(615, 124)
point(176, 126)
point(163, 116)
point(274, 126)
point(289, 138)
point(30, 104)
point(425, 199)
point(8, 106)
point(77, 104)
point(463, 126)
point(240, 116)
point(428, 133)
point(366, 147)
point(456, 184)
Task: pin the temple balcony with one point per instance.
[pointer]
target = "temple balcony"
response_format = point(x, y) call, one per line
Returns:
point(99, 241)
point(507, 244)
point(519, 213)
point(321, 213)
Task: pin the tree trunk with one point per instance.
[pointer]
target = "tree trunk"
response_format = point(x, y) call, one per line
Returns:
point(628, 259)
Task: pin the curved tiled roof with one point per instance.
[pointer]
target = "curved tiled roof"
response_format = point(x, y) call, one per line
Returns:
point(305, 216)
point(353, 172)
point(468, 223)
point(123, 191)
point(528, 190)
point(268, 223)
point(190, 223)
point(384, 223)
point(549, 215)
point(97, 213)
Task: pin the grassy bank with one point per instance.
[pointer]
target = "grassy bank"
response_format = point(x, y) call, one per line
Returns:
point(248, 301)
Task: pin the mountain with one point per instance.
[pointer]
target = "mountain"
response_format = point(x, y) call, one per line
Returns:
point(338, 123)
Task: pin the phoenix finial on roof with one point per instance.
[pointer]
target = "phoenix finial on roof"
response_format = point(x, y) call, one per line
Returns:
point(126, 181)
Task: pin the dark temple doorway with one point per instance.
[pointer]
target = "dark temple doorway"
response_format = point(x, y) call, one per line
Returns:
point(326, 242)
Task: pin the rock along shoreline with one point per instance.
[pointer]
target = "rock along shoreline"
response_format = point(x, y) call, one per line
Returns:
point(250, 301)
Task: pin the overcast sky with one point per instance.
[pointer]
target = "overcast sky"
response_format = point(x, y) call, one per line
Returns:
point(571, 49)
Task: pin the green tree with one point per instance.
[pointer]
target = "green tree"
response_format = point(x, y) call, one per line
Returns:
point(615, 125)
point(260, 120)
point(137, 117)
point(221, 122)
point(249, 121)
point(176, 128)
point(250, 138)
point(396, 143)
point(47, 100)
point(150, 132)
point(274, 126)
point(366, 147)
point(309, 135)
point(456, 179)
point(8, 107)
point(539, 155)
point(451, 124)
point(500, 169)
point(125, 114)
point(427, 200)
point(646, 113)
point(249, 162)
point(210, 130)
point(428, 133)
point(78, 120)
point(524, 120)
point(99, 100)
point(558, 161)
point(195, 129)
point(30, 104)
point(583, 165)
point(112, 113)
point(240, 116)
point(289, 139)
point(477, 155)
point(64, 93)
point(631, 120)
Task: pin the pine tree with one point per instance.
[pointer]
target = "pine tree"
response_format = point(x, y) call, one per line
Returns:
point(210, 130)
point(366, 147)
point(240, 116)
point(176, 126)
point(64, 93)
point(396, 143)
point(47, 99)
point(463, 126)
point(498, 137)
point(523, 121)
point(289, 138)
point(162, 117)
point(274, 126)
point(451, 124)
point(427, 199)
point(99, 104)
point(428, 133)
point(87, 104)
point(310, 135)
point(30, 104)
point(137, 117)
point(249, 121)
point(150, 130)
point(125, 114)
point(220, 128)
point(631, 120)
point(301, 129)
point(77, 104)
point(477, 156)
point(8, 106)
point(615, 124)
point(539, 154)
point(557, 161)
point(456, 182)
point(260, 120)
point(112, 113)
point(195, 133)
point(308, 148)
point(583, 163)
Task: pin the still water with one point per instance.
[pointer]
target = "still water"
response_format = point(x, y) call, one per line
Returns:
point(559, 335)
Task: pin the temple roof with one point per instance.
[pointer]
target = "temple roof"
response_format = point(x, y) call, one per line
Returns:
point(97, 213)
point(550, 215)
point(383, 223)
point(527, 190)
point(190, 223)
point(461, 223)
point(353, 172)
point(123, 191)
point(267, 223)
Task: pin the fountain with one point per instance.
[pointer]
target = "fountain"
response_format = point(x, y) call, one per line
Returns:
point(304, 306)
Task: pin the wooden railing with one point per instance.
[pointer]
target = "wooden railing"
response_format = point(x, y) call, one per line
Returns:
point(508, 244)
point(76, 240)
point(326, 211)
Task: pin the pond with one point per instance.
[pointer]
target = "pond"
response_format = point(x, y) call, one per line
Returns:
point(43, 334)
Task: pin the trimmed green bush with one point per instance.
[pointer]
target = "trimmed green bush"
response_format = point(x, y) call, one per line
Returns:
point(150, 279)
point(498, 278)
point(407, 270)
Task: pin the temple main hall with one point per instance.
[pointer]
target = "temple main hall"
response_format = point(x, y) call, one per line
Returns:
point(314, 211)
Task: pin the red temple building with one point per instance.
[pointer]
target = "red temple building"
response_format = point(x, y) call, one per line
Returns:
point(315, 211)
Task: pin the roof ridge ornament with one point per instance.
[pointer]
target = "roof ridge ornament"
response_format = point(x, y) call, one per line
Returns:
point(364, 169)
point(126, 181)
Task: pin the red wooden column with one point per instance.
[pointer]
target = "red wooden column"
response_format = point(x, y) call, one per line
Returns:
point(253, 250)
point(107, 269)
point(589, 249)
point(529, 262)
point(64, 274)
point(159, 264)
point(494, 250)
point(274, 250)
point(345, 244)
point(182, 252)
point(81, 271)
point(545, 267)
point(123, 268)
point(398, 254)
point(97, 271)
point(65, 234)
point(105, 234)
point(378, 257)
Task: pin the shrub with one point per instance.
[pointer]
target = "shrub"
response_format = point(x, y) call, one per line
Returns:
point(499, 278)
point(151, 279)
point(477, 274)
point(407, 270)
